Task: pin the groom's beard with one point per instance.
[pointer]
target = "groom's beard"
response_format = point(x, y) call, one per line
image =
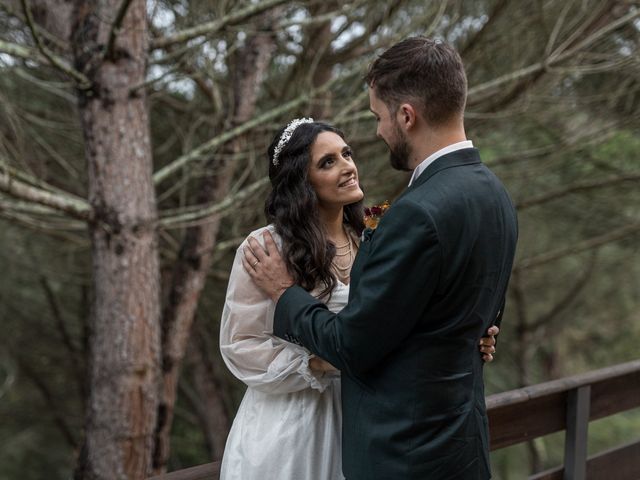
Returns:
point(400, 152)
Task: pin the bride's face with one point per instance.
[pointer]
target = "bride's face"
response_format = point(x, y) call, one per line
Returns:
point(332, 172)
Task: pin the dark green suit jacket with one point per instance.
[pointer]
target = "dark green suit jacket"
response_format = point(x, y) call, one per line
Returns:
point(425, 286)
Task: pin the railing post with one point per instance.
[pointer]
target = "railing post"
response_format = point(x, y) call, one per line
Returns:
point(575, 445)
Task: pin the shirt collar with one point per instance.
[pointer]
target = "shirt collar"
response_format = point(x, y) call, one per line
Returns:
point(434, 156)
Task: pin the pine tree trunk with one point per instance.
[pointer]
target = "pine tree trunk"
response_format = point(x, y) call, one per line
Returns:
point(125, 335)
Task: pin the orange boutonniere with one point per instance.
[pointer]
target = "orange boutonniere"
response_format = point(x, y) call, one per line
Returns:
point(372, 215)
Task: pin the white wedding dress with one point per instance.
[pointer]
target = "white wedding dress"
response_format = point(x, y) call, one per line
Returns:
point(288, 426)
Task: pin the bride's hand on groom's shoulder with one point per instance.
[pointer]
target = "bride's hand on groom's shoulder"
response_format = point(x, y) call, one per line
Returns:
point(487, 344)
point(266, 267)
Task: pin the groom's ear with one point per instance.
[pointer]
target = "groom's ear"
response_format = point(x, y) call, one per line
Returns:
point(406, 116)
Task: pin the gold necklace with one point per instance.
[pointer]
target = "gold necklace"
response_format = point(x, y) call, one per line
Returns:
point(341, 252)
point(343, 271)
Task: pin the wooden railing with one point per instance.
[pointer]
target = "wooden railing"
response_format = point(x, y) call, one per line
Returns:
point(521, 415)
point(569, 404)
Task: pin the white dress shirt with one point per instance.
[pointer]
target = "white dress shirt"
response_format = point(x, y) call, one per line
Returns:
point(434, 156)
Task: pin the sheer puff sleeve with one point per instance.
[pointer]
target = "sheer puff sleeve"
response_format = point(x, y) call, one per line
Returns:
point(249, 348)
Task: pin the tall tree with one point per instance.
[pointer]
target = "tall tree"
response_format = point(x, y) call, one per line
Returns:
point(109, 41)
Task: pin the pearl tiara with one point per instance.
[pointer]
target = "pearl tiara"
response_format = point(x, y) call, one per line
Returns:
point(286, 136)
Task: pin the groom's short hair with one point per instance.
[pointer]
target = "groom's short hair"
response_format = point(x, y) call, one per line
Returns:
point(424, 72)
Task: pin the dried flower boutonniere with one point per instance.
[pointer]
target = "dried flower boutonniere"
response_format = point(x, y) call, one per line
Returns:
point(372, 215)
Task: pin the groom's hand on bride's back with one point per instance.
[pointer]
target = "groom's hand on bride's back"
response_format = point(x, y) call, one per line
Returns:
point(487, 344)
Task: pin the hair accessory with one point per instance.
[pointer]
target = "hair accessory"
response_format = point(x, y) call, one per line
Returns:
point(286, 136)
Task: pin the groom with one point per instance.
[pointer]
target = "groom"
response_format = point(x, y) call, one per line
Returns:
point(425, 285)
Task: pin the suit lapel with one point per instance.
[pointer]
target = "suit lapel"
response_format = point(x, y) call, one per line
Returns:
point(466, 156)
point(356, 268)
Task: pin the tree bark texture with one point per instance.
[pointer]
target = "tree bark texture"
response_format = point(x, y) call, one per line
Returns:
point(125, 327)
point(196, 251)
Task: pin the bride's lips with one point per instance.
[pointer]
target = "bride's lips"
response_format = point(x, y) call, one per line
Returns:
point(349, 183)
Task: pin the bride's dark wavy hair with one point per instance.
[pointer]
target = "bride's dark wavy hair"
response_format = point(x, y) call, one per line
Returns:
point(292, 206)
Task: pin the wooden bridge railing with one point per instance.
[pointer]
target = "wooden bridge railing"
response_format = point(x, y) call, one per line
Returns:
point(566, 404)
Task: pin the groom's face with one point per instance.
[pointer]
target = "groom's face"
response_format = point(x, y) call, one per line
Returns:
point(390, 132)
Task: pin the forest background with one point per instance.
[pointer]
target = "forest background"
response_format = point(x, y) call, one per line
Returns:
point(132, 164)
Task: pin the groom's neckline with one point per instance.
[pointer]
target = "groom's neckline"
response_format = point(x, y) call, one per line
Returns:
point(465, 156)
point(453, 147)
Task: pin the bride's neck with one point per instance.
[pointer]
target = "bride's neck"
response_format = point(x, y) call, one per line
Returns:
point(332, 222)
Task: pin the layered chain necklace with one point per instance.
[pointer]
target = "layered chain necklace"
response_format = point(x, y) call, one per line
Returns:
point(343, 260)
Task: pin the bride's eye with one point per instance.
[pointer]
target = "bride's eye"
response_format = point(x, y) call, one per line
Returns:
point(348, 154)
point(327, 162)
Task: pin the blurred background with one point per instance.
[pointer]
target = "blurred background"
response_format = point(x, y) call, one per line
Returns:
point(92, 193)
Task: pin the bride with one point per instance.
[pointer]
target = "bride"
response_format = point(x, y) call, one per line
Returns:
point(288, 424)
